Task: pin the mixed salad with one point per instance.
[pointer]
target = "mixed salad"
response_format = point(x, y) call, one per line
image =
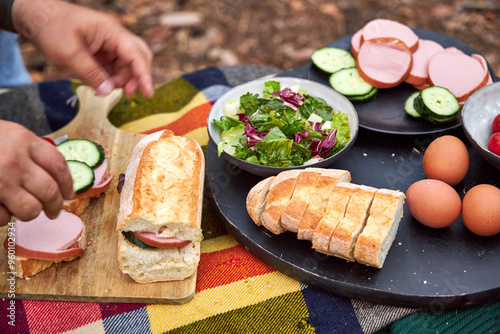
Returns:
point(282, 128)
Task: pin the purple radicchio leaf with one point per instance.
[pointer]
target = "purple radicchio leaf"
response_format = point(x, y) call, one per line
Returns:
point(289, 97)
point(301, 135)
point(121, 182)
point(322, 148)
point(253, 136)
point(317, 127)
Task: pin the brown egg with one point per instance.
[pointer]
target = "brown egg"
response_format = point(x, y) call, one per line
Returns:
point(446, 159)
point(481, 210)
point(433, 203)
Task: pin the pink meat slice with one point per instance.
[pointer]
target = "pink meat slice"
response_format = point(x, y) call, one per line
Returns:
point(484, 65)
point(384, 62)
point(49, 235)
point(101, 172)
point(459, 73)
point(356, 43)
point(419, 74)
point(152, 239)
point(388, 28)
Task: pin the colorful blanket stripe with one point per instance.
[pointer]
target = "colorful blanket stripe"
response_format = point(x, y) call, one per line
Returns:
point(235, 292)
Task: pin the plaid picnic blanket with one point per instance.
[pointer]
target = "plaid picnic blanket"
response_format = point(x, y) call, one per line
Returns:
point(235, 292)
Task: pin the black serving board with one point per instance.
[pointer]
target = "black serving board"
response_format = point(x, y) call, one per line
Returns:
point(425, 268)
point(386, 112)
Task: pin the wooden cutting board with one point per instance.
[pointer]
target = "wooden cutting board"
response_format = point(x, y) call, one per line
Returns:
point(95, 276)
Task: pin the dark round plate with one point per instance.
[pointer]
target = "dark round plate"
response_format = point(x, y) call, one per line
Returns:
point(386, 112)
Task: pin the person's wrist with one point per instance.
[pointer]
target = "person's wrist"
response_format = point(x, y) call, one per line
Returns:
point(31, 16)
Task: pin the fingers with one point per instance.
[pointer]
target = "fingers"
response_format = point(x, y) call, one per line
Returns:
point(23, 205)
point(4, 215)
point(54, 172)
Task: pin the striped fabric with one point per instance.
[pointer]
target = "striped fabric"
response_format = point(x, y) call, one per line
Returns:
point(235, 292)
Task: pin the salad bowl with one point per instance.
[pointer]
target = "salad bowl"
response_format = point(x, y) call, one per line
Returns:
point(477, 115)
point(335, 100)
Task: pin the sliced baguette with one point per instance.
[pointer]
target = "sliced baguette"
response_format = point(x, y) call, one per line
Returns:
point(350, 226)
point(337, 204)
point(279, 195)
point(306, 183)
point(256, 199)
point(374, 242)
point(318, 201)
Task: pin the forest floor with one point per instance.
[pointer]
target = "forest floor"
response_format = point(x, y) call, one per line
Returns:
point(187, 35)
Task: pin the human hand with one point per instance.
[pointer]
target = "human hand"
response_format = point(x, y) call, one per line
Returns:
point(33, 175)
point(93, 44)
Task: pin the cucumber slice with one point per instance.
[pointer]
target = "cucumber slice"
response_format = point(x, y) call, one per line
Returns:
point(409, 105)
point(437, 104)
point(133, 239)
point(363, 98)
point(332, 59)
point(82, 175)
point(348, 82)
point(82, 150)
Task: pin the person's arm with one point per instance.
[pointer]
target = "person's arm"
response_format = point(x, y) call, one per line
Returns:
point(93, 44)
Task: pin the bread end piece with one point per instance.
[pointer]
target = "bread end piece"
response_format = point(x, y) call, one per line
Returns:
point(256, 199)
point(26, 267)
point(375, 240)
point(158, 264)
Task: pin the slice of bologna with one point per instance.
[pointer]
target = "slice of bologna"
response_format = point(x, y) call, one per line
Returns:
point(48, 239)
point(102, 181)
point(356, 43)
point(151, 239)
point(388, 28)
point(384, 62)
point(419, 74)
point(484, 64)
point(459, 73)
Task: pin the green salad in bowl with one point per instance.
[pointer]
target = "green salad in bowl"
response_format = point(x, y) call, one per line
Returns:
point(282, 123)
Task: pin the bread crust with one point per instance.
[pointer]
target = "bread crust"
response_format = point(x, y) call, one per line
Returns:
point(318, 201)
point(256, 199)
point(279, 195)
point(381, 227)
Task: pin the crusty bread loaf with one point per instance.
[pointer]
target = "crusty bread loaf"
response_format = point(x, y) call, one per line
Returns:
point(27, 267)
point(306, 183)
point(346, 220)
point(337, 205)
point(158, 264)
point(279, 195)
point(163, 194)
point(318, 201)
point(256, 199)
point(381, 227)
point(350, 226)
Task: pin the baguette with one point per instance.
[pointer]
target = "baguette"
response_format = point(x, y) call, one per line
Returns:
point(318, 201)
point(336, 209)
point(306, 183)
point(256, 199)
point(350, 226)
point(381, 227)
point(280, 192)
point(162, 196)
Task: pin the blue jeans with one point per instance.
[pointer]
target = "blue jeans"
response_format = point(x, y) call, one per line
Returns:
point(12, 69)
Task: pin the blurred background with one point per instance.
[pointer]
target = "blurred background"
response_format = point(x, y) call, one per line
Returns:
point(187, 35)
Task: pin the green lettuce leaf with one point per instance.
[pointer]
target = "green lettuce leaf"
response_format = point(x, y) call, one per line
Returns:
point(341, 122)
point(230, 139)
point(270, 87)
point(316, 105)
point(226, 123)
point(250, 103)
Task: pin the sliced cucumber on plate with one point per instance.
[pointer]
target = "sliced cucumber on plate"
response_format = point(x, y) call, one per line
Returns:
point(82, 150)
point(83, 176)
point(349, 83)
point(410, 107)
point(331, 59)
point(436, 104)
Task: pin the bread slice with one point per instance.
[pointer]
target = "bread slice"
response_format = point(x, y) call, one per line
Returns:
point(27, 267)
point(279, 195)
point(318, 201)
point(374, 242)
point(163, 187)
point(158, 264)
point(77, 206)
point(256, 199)
point(337, 204)
point(350, 226)
point(306, 183)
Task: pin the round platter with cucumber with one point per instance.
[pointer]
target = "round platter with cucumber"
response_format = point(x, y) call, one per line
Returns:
point(402, 80)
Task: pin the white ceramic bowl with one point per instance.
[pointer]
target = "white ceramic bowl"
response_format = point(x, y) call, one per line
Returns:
point(477, 116)
point(333, 98)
